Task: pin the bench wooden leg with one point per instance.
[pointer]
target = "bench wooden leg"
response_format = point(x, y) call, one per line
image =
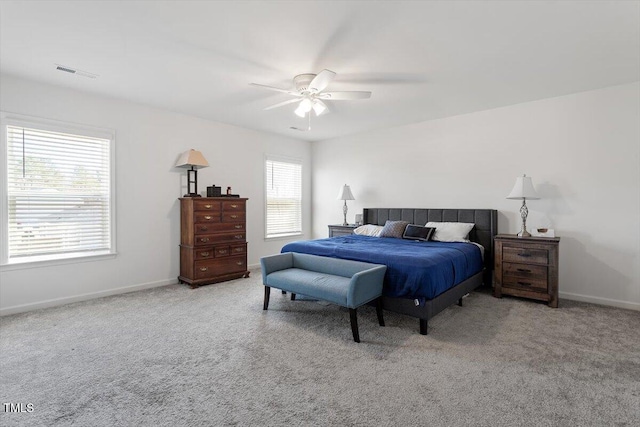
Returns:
point(423, 326)
point(267, 292)
point(460, 302)
point(284, 292)
point(354, 324)
point(379, 311)
point(293, 296)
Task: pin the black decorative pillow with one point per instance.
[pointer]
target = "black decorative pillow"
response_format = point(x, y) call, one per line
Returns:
point(418, 232)
point(393, 229)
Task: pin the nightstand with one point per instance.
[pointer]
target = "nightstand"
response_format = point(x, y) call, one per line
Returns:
point(341, 230)
point(527, 267)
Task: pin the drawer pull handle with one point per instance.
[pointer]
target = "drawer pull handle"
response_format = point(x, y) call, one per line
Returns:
point(234, 206)
point(234, 216)
point(524, 283)
point(204, 228)
point(204, 253)
point(238, 250)
point(204, 239)
point(207, 206)
point(222, 251)
point(207, 217)
point(238, 236)
point(238, 226)
point(239, 262)
point(204, 268)
point(524, 270)
point(524, 255)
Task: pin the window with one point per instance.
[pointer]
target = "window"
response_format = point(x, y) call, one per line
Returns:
point(58, 200)
point(283, 183)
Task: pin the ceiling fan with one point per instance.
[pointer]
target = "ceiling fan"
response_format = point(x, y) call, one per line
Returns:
point(309, 93)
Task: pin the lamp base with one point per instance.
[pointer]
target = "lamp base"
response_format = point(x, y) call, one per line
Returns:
point(524, 233)
point(192, 195)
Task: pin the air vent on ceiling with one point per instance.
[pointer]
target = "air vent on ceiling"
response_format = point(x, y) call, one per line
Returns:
point(70, 70)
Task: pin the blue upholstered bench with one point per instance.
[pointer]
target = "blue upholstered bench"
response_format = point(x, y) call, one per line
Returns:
point(346, 283)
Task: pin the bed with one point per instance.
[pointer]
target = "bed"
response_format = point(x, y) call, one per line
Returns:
point(413, 284)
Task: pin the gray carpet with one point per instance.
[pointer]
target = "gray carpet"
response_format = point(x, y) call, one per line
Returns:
point(173, 356)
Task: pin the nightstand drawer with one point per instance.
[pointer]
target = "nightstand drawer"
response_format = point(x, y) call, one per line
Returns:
point(525, 255)
point(525, 277)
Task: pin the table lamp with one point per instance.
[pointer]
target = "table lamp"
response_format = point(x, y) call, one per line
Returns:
point(523, 190)
point(345, 194)
point(193, 159)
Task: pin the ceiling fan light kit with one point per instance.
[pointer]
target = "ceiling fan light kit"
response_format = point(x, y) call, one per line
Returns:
point(309, 93)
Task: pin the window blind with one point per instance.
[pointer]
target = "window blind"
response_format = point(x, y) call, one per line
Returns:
point(58, 193)
point(283, 198)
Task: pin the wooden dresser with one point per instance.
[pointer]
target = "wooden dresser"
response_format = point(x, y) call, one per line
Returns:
point(213, 239)
point(527, 267)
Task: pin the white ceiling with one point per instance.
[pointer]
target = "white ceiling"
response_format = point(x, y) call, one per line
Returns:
point(421, 60)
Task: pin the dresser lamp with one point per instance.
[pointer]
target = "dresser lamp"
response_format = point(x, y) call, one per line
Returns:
point(345, 194)
point(192, 159)
point(523, 190)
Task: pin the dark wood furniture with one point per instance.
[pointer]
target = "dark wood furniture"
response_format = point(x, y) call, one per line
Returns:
point(527, 267)
point(341, 230)
point(213, 239)
point(486, 227)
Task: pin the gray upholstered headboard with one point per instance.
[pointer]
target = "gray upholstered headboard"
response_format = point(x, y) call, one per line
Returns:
point(486, 221)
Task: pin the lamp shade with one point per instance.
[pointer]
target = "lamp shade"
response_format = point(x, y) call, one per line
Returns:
point(523, 189)
point(192, 158)
point(345, 193)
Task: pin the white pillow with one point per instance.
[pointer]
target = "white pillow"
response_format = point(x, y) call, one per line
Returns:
point(369, 230)
point(451, 231)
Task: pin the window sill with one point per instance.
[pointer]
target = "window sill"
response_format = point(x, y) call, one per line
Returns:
point(283, 236)
point(49, 261)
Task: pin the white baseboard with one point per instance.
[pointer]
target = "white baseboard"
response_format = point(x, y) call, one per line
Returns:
point(253, 267)
point(83, 297)
point(601, 301)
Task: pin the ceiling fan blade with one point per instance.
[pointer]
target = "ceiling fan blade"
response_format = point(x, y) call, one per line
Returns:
point(321, 81)
point(280, 104)
point(344, 96)
point(290, 92)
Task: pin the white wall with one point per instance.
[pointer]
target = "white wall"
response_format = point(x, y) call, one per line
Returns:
point(582, 151)
point(148, 142)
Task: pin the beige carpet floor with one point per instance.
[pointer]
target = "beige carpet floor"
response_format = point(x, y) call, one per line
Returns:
point(174, 356)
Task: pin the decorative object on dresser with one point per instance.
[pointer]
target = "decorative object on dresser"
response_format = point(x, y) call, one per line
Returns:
point(345, 194)
point(213, 245)
point(214, 191)
point(193, 159)
point(341, 230)
point(523, 190)
point(527, 267)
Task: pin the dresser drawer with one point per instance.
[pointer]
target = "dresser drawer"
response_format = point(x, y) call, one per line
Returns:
point(218, 266)
point(203, 253)
point(238, 249)
point(206, 206)
point(204, 217)
point(234, 206)
point(525, 255)
point(207, 228)
point(221, 251)
point(233, 216)
point(209, 239)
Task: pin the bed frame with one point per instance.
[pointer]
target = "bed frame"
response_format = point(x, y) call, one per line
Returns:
point(486, 227)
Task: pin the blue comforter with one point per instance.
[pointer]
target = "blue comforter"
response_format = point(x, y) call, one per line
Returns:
point(415, 269)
